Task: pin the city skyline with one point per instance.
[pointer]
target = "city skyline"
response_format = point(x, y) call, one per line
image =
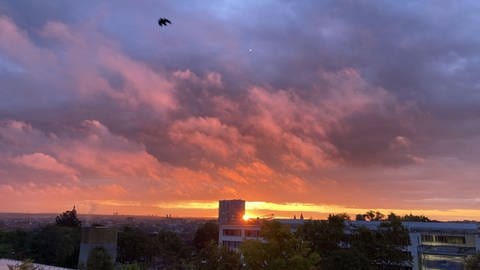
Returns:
point(316, 107)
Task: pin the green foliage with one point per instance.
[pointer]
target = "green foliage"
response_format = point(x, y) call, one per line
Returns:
point(472, 262)
point(133, 246)
point(324, 235)
point(99, 259)
point(25, 265)
point(214, 257)
point(383, 247)
point(346, 259)
point(164, 249)
point(14, 244)
point(56, 245)
point(280, 250)
point(50, 244)
point(132, 266)
point(68, 219)
point(205, 234)
point(170, 249)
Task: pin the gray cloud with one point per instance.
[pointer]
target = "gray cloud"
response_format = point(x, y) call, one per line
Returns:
point(326, 84)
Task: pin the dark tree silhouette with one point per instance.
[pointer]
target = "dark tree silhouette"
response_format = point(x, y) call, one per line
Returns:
point(68, 219)
point(205, 234)
point(99, 259)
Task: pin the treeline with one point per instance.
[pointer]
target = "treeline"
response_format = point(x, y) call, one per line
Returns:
point(378, 216)
point(51, 244)
point(317, 244)
point(323, 244)
point(54, 244)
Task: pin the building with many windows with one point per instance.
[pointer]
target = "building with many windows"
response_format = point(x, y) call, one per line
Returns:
point(436, 245)
point(231, 211)
point(432, 245)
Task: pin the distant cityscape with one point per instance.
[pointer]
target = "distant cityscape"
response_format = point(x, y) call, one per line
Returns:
point(430, 244)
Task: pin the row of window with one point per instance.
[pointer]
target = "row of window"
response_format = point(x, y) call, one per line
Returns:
point(447, 239)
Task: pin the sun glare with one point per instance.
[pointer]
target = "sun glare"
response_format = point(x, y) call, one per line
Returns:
point(246, 217)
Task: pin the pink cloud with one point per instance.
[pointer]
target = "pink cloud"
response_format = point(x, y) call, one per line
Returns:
point(211, 136)
point(244, 144)
point(41, 161)
point(17, 45)
point(79, 63)
point(248, 173)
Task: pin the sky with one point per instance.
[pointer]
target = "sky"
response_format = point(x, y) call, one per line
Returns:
point(295, 106)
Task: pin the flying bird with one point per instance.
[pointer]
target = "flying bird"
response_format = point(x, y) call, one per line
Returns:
point(164, 21)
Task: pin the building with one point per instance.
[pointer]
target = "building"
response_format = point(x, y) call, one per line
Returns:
point(436, 245)
point(231, 211)
point(97, 236)
point(432, 245)
point(233, 229)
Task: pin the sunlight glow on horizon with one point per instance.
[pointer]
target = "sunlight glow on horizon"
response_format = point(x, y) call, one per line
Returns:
point(256, 209)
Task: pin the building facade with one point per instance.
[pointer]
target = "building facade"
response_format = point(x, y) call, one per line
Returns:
point(231, 211)
point(432, 245)
point(436, 245)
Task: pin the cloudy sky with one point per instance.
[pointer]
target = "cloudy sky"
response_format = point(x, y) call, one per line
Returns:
point(303, 106)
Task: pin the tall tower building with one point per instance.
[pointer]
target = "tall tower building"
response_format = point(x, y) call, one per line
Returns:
point(231, 211)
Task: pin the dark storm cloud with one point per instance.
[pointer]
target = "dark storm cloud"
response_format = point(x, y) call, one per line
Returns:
point(419, 53)
point(236, 91)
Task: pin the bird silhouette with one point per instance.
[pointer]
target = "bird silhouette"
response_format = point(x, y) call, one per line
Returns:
point(164, 21)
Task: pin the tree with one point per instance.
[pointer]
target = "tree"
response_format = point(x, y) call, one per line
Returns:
point(68, 219)
point(169, 249)
point(14, 244)
point(205, 234)
point(161, 250)
point(214, 257)
point(472, 262)
point(280, 250)
point(132, 266)
point(383, 247)
point(374, 216)
point(132, 246)
point(394, 238)
point(419, 218)
point(99, 259)
point(55, 245)
point(360, 217)
point(409, 217)
point(346, 259)
point(324, 236)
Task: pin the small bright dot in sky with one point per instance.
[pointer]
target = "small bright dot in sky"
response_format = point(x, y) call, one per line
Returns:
point(250, 50)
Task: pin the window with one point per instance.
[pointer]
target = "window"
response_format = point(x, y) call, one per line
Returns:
point(450, 239)
point(427, 238)
point(446, 239)
point(252, 233)
point(230, 232)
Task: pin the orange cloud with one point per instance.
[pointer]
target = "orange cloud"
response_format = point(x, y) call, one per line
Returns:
point(41, 161)
point(211, 136)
